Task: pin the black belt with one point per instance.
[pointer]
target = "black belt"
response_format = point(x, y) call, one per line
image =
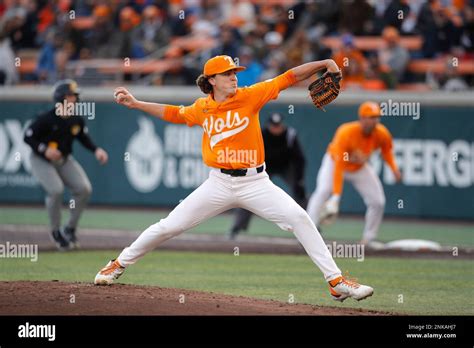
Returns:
point(240, 172)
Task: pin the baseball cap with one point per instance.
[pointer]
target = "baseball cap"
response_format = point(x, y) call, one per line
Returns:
point(369, 109)
point(219, 65)
point(275, 119)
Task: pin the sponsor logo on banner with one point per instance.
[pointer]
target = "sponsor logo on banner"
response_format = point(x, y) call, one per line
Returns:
point(144, 157)
point(430, 162)
point(171, 161)
point(15, 155)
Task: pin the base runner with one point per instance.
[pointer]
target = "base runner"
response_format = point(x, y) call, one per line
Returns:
point(229, 117)
point(51, 137)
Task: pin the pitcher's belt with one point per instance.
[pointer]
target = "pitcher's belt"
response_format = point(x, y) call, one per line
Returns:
point(242, 172)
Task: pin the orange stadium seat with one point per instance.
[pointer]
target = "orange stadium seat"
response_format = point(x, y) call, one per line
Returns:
point(27, 66)
point(372, 43)
point(420, 66)
point(83, 23)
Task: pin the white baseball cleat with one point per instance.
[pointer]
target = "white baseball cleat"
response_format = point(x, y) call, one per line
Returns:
point(342, 288)
point(107, 275)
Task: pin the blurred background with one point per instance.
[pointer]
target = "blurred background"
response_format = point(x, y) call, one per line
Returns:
point(415, 52)
point(391, 44)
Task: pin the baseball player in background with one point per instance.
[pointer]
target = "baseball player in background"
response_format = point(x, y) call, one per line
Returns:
point(51, 137)
point(347, 157)
point(232, 146)
point(283, 157)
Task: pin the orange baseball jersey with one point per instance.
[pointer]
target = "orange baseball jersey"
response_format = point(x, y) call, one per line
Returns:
point(349, 139)
point(232, 137)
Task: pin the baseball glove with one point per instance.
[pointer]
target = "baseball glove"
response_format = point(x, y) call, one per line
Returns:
point(329, 211)
point(325, 89)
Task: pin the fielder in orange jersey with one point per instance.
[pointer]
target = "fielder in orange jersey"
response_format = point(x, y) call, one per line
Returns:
point(347, 157)
point(232, 146)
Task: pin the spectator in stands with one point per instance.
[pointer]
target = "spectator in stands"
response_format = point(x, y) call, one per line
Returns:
point(428, 28)
point(275, 60)
point(212, 9)
point(261, 28)
point(357, 17)
point(409, 23)
point(46, 67)
point(392, 58)
point(20, 23)
point(298, 50)
point(153, 33)
point(14, 20)
point(181, 20)
point(256, 43)
point(453, 27)
point(8, 72)
point(282, 24)
point(254, 70)
point(396, 13)
point(320, 16)
point(238, 14)
point(351, 60)
point(205, 27)
point(228, 43)
point(63, 56)
point(467, 39)
point(452, 81)
point(99, 39)
point(82, 8)
point(440, 27)
point(105, 41)
point(128, 21)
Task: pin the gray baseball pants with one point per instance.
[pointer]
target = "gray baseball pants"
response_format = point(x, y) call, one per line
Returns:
point(53, 177)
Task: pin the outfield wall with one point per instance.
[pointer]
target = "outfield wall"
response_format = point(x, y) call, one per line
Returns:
point(157, 163)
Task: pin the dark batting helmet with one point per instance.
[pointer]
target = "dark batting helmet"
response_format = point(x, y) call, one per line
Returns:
point(65, 87)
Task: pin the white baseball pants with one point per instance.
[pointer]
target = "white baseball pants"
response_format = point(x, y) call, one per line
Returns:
point(221, 192)
point(365, 181)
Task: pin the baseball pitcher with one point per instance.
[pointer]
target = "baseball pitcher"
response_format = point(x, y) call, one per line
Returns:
point(232, 147)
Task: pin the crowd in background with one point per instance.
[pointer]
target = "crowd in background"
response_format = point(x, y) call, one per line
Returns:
point(268, 37)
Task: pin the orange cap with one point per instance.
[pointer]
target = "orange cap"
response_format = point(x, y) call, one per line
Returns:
point(219, 65)
point(102, 11)
point(369, 109)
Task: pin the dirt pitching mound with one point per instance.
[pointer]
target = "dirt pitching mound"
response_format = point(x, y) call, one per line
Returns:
point(59, 298)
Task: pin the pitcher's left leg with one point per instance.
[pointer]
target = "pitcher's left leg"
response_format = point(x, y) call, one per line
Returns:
point(272, 203)
point(269, 201)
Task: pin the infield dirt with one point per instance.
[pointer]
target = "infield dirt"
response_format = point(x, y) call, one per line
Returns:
point(60, 298)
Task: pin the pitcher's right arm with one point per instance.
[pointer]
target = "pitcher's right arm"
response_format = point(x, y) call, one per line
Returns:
point(163, 111)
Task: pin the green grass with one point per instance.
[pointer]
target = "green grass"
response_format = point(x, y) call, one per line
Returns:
point(344, 228)
point(431, 287)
